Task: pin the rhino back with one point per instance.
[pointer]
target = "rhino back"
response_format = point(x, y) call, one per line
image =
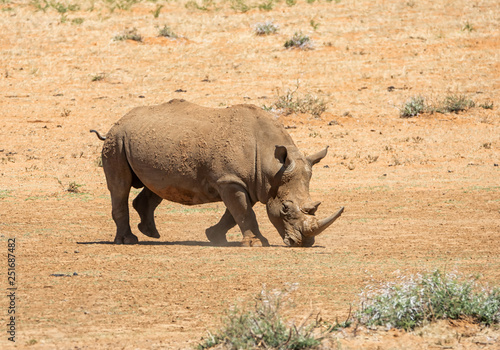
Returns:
point(183, 152)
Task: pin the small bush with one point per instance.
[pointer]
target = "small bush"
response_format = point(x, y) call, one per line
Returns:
point(266, 28)
point(299, 41)
point(467, 27)
point(450, 104)
point(455, 104)
point(129, 34)
point(156, 12)
point(289, 103)
point(267, 5)
point(124, 5)
point(413, 107)
point(263, 327)
point(73, 187)
point(486, 105)
point(240, 6)
point(98, 77)
point(206, 5)
point(166, 32)
point(416, 300)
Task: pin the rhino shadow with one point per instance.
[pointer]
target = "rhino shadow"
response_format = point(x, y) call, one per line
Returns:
point(173, 243)
point(186, 244)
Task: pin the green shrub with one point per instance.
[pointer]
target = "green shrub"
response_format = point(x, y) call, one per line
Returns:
point(416, 300)
point(412, 107)
point(450, 104)
point(455, 104)
point(263, 327)
point(487, 105)
point(267, 5)
point(300, 41)
point(167, 32)
point(156, 12)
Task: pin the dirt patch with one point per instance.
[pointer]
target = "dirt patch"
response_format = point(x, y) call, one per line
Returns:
point(420, 193)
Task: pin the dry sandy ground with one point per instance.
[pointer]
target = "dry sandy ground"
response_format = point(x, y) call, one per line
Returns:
point(420, 193)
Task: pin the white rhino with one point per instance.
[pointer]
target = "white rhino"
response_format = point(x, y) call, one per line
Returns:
point(190, 154)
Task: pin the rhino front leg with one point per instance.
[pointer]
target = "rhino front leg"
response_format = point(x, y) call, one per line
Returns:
point(217, 233)
point(239, 205)
point(145, 204)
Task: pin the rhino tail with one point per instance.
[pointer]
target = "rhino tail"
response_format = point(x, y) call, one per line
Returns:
point(102, 138)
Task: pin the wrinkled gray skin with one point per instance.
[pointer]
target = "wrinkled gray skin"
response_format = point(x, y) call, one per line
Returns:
point(191, 155)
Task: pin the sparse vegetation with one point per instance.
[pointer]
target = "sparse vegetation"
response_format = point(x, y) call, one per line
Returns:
point(157, 10)
point(314, 24)
point(263, 327)
point(267, 5)
point(206, 5)
point(450, 104)
point(124, 5)
point(129, 34)
point(266, 28)
point(414, 301)
point(166, 32)
point(290, 102)
point(486, 105)
point(299, 41)
point(5, 193)
point(240, 6)
point(468, 27)
point(98, 77)
point(77, 21)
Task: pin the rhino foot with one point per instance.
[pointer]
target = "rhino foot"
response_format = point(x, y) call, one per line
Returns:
point(148, 230)
point(129, 239)
point(216, 236)
point(255, 242)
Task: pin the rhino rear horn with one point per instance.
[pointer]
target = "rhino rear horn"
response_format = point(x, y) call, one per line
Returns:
point(311, 208)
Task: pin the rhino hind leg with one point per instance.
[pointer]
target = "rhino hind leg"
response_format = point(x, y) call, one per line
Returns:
point(119, 179)
point(239, 205)
point(145, 204)
point(217, 233)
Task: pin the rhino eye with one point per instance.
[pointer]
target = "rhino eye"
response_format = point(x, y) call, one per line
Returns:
point(286, 208)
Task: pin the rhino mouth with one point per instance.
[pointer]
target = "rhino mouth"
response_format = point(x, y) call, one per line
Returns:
point(294, 242)
point(295, 238)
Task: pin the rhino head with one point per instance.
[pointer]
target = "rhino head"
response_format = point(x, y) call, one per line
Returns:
point(290, 208)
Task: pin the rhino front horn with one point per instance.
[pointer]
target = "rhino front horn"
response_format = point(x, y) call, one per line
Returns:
point(325, 223)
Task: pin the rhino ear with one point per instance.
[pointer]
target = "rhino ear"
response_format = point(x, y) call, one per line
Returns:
point(316, 157)
point(281, 153)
